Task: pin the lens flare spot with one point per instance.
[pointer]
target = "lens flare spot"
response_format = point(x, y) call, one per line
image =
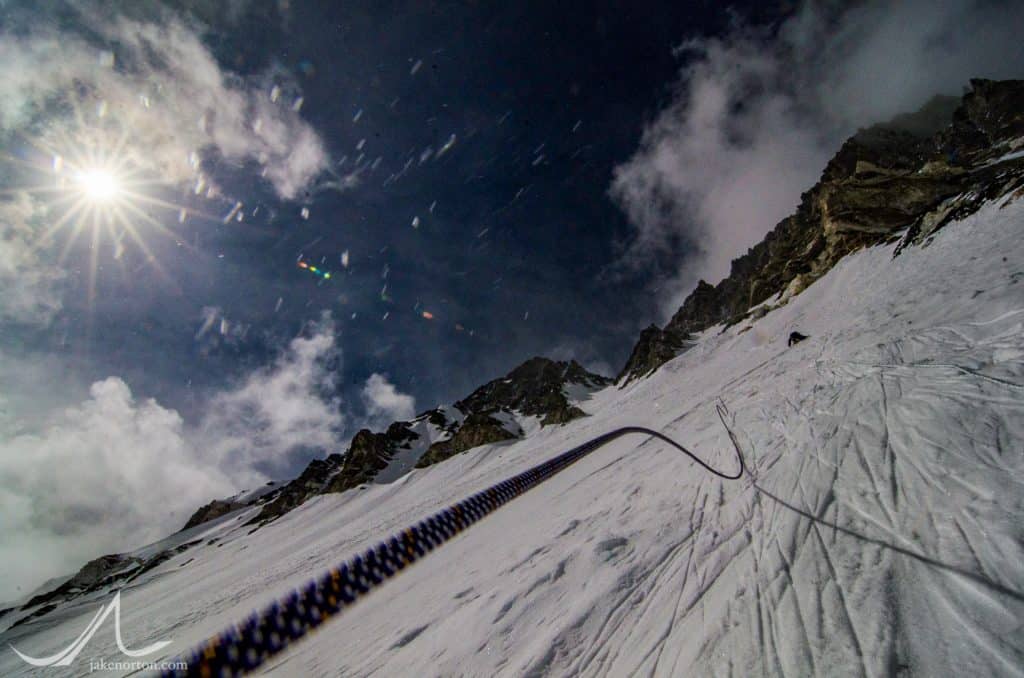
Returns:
point(326, 275)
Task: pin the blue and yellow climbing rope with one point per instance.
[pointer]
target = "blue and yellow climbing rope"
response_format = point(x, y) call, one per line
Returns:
point(247, 646)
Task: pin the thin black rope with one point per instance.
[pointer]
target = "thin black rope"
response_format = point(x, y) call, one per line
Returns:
point(927, 560)
point(247, 646)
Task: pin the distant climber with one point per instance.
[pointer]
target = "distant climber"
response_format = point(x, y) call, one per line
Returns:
point(796, 338)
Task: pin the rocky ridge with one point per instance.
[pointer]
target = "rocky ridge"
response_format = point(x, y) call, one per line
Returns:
point(368, 454)
point(903, 179)
point(537, 388)
point(114, 570)
point(215, 509)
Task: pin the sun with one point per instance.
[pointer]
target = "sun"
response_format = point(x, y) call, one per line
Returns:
point(90, 185)
point(99, 185)
point(88, 177)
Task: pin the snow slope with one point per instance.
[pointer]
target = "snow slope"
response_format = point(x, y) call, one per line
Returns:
point(897, 428)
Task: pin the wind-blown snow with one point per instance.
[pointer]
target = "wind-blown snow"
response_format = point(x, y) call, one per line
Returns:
point(900, 420)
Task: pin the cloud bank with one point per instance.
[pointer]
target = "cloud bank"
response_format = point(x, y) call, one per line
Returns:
point(115, 471)
point(757, 113)
point(106, 474)
point(288, 408)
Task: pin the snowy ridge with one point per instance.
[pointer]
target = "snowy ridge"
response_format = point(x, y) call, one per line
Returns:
point(404, 460)
point(900, 419)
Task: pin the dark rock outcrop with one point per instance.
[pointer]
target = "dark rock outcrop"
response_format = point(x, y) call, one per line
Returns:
point(654, 348)
point(215, 509)
point(440, 421)
point(94, 574)
point(478, 429)
point(988, 116)
point(657, 346)
point(117, 569)
point(311, 481)
point(903, 178)
point(535, 388)
point(369, 454)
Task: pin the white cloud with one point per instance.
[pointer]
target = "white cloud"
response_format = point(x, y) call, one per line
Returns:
point(165, 92)
point(281, 410)
point(384, 403)
point(103, 475)
point(151, 91)
point(115, 472)
point(757, 114)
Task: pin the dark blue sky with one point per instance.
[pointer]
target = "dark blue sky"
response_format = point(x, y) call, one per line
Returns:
point(519, 255)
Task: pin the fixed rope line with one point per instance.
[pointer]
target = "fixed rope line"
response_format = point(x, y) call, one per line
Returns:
point(867, 539)
point(247, 646)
